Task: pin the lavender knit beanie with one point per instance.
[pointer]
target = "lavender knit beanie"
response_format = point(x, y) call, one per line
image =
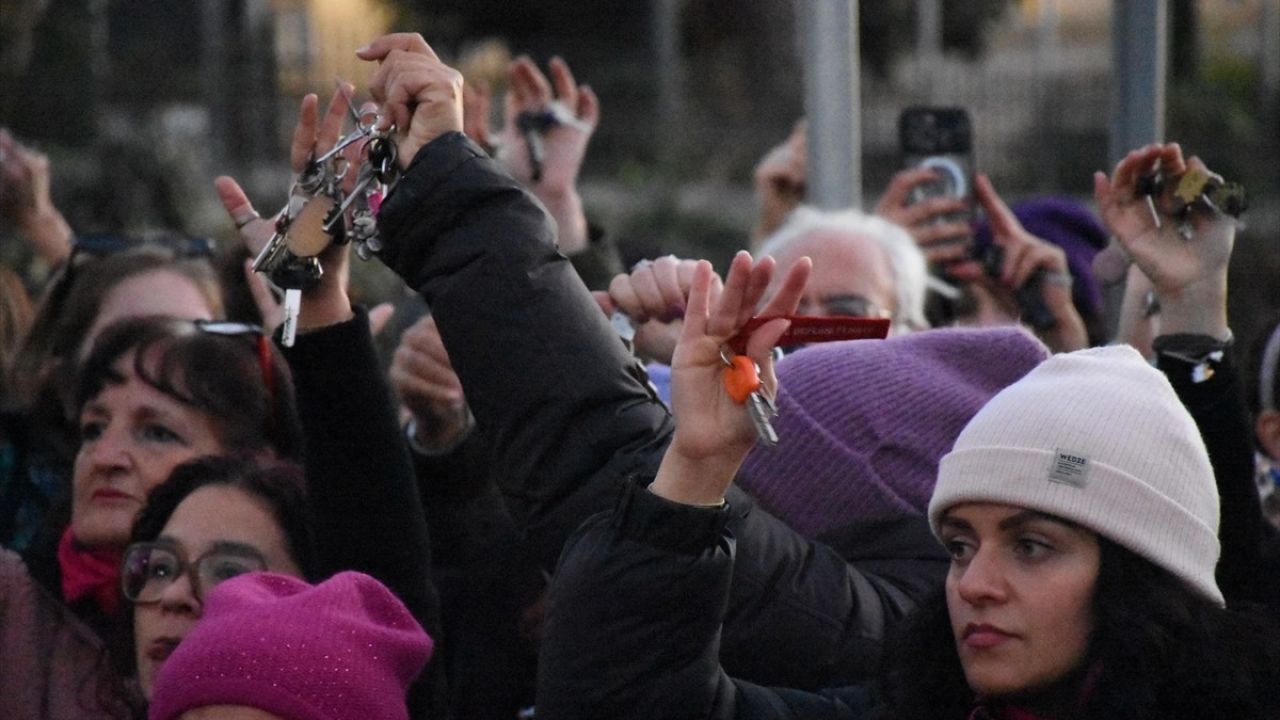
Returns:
point(862, 424)
point(345, 648)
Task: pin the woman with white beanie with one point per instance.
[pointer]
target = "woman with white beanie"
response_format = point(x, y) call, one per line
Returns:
point(1080, 511)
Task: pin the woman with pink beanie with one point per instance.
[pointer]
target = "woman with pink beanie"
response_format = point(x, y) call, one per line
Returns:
point(274, 646)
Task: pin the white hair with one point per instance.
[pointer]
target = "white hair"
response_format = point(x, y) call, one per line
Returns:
point(910, 270)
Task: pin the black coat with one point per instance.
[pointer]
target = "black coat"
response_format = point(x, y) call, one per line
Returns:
point(570, 422)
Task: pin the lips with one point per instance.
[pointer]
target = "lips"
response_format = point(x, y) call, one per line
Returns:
point(979, 636)
point(160, 649)
point(110, 495)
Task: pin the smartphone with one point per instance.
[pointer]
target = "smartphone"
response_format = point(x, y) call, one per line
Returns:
point(940, 139)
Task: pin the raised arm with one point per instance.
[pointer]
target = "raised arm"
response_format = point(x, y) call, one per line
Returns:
point(1184, 250)
point(557, 396)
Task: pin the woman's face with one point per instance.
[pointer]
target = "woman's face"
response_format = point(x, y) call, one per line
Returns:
point(214, 521)
point(132, 436)
point(1020, 595)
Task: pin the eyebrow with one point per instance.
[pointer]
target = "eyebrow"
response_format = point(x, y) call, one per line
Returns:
point(1013, 521)
point(225, 547)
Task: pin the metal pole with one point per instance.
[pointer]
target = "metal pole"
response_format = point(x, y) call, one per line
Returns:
point(1269, 41)
point(670, 70)
point(829, 38)
point(1139, 57)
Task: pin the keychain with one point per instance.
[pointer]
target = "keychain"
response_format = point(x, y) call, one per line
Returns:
point(742, 375)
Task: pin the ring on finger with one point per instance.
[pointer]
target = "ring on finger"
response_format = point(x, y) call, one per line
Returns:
point(245, 220)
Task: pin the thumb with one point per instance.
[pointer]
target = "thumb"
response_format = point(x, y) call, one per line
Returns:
point(234, 201)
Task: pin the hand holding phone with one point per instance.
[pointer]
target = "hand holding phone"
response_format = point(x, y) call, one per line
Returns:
point(939, 140)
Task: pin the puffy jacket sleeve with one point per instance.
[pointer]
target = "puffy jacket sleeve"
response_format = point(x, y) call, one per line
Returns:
point(635, 620)
point(824, 609)
point(557, 395)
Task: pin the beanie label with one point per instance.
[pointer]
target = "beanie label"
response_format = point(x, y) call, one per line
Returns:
point(1069, 468)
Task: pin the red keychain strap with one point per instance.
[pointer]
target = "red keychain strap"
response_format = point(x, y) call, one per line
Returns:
point(806, 329)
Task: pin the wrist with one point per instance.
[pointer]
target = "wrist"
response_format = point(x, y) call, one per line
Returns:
point(432, 434)
point(323, 310)
point(700, 481)
point(1197, 308)
point(565, 207)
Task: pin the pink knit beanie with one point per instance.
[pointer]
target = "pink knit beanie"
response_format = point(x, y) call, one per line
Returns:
point(862, 424)
point(345, 648)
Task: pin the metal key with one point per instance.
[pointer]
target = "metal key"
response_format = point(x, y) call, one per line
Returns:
point(742, 383)
point(762, 411)
point(532, 123)
point(293, 276)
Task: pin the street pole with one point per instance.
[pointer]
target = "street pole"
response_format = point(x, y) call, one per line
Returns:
point(829, 41)
point(1139, 58)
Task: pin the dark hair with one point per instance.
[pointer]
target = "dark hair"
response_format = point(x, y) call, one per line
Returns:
point(240, 380)
point(279, 485)
point(1160, 650)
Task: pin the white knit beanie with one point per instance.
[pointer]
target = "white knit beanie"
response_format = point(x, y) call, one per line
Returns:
point(1097, 437)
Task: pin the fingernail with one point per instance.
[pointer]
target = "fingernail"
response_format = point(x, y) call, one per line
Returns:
point(363, 48)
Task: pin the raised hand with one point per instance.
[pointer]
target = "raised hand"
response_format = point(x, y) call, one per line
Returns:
point(1149, 230)
point(25, 201)
point(418, 93)
point(1025, 255)
point(781, 181)
point(565, 143)
point(941, 237)
point(654, 296)
point(424, 380)
point(327, 303)
point(714, 433)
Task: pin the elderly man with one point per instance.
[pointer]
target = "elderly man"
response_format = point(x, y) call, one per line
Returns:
point(862, 265)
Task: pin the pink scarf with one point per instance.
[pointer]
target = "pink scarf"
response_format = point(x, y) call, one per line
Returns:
point(91, 573)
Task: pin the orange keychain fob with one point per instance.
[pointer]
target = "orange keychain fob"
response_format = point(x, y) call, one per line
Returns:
point(741, 378)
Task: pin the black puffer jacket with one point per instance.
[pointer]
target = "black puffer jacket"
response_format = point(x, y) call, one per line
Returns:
point(571, 422)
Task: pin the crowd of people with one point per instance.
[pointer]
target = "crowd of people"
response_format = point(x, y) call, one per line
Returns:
point(553, 505)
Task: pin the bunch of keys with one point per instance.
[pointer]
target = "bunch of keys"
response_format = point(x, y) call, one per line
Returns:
point(315, 216)
point(742, 382)
point(533, 124)
point(1195, 187)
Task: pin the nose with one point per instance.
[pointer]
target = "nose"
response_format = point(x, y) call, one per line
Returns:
point(180, 596)
point(982, 580)
point(109, 450)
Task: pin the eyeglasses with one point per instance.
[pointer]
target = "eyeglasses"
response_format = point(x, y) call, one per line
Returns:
point(850, 306)
point(149, 569)
point(262, 344)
